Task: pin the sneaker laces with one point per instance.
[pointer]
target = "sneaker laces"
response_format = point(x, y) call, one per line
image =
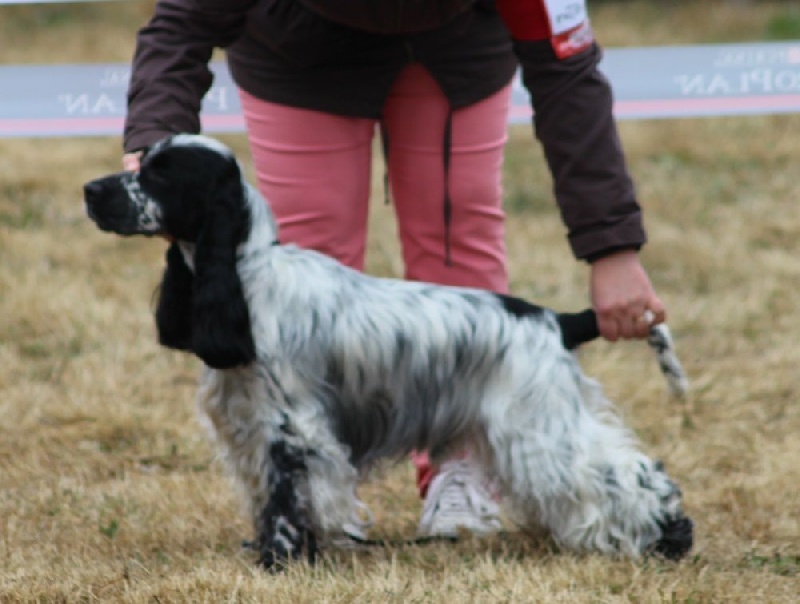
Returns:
point(361, 519)
point(458, 495)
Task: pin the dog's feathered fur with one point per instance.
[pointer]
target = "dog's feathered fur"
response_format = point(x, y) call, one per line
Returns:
point(316, 371)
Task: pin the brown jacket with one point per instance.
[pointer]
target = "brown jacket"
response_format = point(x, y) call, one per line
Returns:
point(283, 52)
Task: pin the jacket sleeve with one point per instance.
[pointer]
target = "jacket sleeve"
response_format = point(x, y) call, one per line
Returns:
point(573, 120)
point(170, 73)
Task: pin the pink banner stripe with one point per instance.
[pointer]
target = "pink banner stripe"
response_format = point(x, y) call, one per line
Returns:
point(66, 125)
point(99, 125)
point(787, 102)
point(223, 121)
point(688, 107)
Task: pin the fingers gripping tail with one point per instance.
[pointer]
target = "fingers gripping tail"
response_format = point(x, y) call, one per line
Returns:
point(577, 328)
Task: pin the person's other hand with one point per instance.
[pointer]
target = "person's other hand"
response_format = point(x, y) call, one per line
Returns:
point(623, 297)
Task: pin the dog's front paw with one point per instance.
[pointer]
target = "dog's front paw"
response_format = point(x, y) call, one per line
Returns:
point(286, 543)
point(272, 561)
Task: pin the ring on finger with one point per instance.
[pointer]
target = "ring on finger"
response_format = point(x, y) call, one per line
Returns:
point(648, 316)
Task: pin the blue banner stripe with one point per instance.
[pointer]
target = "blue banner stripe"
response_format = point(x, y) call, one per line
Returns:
point(649, 83)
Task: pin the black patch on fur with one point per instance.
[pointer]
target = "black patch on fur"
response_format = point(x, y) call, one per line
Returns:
point(610, 478)
point(283, 528)
point(518, 307)
point(677, 538)
point(361, 427)
point(576, 328)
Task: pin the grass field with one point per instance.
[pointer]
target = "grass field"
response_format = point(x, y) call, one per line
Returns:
point(109, 490)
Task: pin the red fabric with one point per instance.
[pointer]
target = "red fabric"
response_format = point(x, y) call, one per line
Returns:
point(525, 19)
point(425, 472)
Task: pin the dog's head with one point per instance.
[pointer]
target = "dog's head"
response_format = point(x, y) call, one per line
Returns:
point(189, 189)
point(184, 181)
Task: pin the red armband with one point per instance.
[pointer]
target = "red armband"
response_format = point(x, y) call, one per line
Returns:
point(564, 22)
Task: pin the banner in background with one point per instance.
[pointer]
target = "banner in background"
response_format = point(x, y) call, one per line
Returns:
point(649, 83)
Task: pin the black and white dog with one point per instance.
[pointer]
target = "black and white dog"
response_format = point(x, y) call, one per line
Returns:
point(315, 372)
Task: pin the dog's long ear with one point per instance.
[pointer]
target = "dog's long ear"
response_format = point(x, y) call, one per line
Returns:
point(220, 318)
point(173, 311)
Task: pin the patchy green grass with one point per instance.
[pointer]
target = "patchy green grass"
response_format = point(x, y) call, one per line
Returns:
point(784, 25)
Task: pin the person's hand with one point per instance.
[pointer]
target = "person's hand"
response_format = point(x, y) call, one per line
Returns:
point(131, 161)
point(623, 297)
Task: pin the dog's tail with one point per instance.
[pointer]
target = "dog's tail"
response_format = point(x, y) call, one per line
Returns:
point(578, 328)
point(660, 340)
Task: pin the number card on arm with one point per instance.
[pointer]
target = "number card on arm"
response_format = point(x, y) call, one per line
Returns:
point(564, 22)
point(569, 26)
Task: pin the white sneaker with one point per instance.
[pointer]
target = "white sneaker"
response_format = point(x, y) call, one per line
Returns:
point(354, 531)
point(350, 538)
point(459, 498)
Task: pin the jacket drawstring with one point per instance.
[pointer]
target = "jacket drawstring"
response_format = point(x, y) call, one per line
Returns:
point(385, 149)
point(448, 204)
point(447, 144)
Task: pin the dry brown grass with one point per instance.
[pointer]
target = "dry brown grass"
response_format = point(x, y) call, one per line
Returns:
point(108, 490)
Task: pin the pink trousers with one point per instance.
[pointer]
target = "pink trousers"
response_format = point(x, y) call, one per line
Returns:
point(314, 168)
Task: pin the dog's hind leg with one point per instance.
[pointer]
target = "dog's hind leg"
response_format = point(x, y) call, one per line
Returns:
point(283, 526)
point(571, 466)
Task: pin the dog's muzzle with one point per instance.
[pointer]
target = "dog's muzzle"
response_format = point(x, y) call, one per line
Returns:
point(118, 204)
point(100, 205)
point(93, 194)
